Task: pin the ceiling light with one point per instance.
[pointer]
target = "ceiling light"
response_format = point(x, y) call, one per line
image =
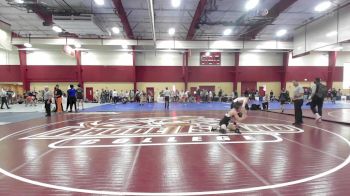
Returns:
point(323, 6)
point(99, 2)
point(124, 46)
point(281, 32)
point(251, 4)
point(27, 45)
point(338, 48)
point(176, 3)
point(257, 50)
point(227, 31)
point(115, 30)
point(20, 1)
point(331, 34)
point(77, 45)
point(57, 29)
point(171, 31)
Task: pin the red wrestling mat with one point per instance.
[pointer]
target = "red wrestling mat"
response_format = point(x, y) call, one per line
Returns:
point(172, 153)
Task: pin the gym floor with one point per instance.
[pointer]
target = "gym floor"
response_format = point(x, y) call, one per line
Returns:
point(157, 152)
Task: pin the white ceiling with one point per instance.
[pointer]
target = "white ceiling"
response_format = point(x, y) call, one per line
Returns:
point(218, 15)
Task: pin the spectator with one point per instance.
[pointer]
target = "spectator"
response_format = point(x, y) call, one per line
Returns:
point(271, 95)
point(283, 98)
point(334, 95)
point(265, 102)
point(72, 98)
point(3, 95)
point(220, 95)
point(115, 96)
point(319, 92)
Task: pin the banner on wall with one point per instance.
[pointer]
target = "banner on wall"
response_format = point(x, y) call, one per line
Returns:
point(346, 76)
point(210, 58)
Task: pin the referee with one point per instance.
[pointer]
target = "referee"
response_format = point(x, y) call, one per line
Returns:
point(166, 97)
point(47, 100)
point(298, 103)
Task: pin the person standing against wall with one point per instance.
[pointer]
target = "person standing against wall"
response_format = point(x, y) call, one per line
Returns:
point(271, 95)
point(220, 95)
point(80, 96)
point(167, 97)
point(298, 99)
point(47, 101)
point(115, 96)
point(97, 96)
point(210, 97)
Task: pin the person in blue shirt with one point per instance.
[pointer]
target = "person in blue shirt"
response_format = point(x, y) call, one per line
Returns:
point(72, 98)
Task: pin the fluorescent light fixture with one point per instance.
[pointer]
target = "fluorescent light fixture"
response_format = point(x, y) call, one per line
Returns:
point(3, 34)
point(99, 2)
point(175, 3)
point(171, 31)
point(77, 45)
point(251, 4)
point(281, 32)
point(323, 6)
point(57, 29)
point(27, 45)
point(115, 30)
point(331, 34)
point(257, 50)
point(20, 1)
point(338, 48)
point(227, 31)
point(124, 46)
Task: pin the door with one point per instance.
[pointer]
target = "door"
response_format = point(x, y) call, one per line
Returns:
point(89, 93)
point(250, 86)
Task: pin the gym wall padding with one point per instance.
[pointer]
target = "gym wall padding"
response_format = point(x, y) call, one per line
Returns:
point(108, 73)
point(159, 74)
point(10, 73)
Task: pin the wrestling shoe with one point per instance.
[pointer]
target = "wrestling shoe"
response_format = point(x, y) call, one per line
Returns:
point(223, 131)
point(237, 131)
